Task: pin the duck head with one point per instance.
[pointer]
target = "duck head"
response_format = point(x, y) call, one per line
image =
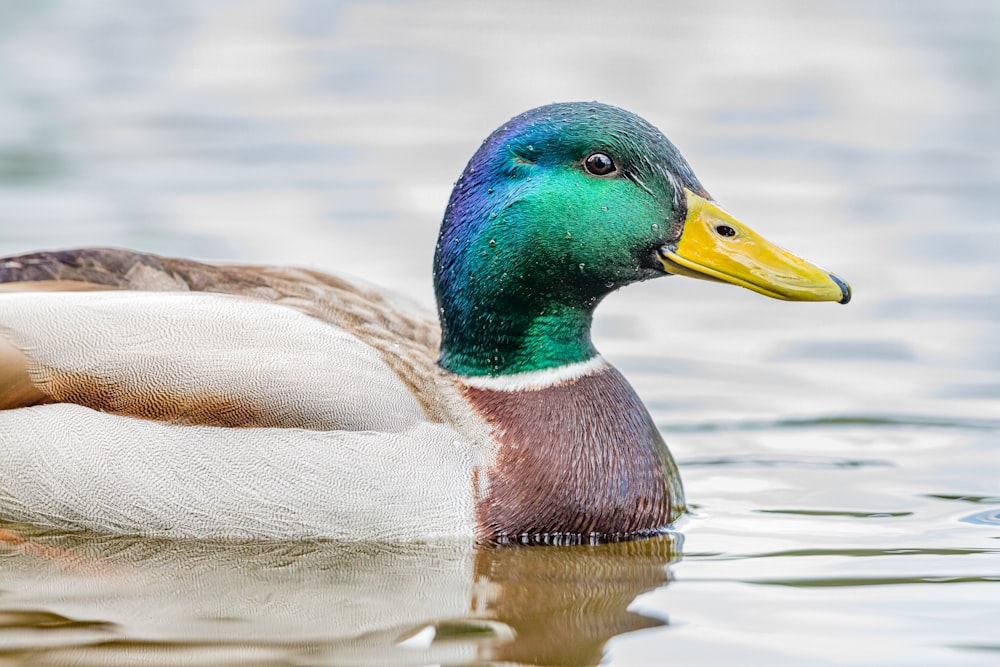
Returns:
point(561, 206)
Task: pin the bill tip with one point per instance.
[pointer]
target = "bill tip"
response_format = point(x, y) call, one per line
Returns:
point(845, 289)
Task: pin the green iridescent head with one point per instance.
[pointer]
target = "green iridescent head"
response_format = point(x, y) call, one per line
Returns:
point(559, 207)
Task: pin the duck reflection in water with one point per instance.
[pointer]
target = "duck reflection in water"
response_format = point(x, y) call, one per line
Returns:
point(115, 600)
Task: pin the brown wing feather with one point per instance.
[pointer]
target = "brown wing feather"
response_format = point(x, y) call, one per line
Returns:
point(100, 266)
point(16, 387)
point(54, 286)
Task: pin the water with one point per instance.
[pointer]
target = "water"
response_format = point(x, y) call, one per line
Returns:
point(842, 462)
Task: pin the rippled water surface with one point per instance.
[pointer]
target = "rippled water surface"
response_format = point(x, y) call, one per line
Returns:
point(843, 463)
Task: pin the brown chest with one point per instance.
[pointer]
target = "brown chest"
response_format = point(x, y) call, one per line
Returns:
point(579, 462)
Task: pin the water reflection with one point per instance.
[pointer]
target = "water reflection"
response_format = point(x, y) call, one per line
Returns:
point(565, 604)
point(116, 600)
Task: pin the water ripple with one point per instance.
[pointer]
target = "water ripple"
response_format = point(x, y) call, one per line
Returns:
point(853, 515)
point(838, 421)
point(985, 500)
point(782, 462)
point(986, 518)
point(847, 553)
point(831, 582)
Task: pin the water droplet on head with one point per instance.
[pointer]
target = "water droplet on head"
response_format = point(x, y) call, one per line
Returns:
point(582, 266)
point(493, 216)
point(569, 235)
point(493, 243)
point(490, 191)
point(604, 208)
point(655, 227)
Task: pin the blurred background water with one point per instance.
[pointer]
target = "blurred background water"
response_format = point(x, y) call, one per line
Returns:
point(843, 463)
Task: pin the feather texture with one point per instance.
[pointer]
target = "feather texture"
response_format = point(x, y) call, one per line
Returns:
point(119, 474)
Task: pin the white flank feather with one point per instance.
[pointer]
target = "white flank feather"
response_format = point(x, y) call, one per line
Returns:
point(71, 467)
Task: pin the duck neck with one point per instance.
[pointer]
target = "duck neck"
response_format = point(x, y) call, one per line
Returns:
point(486, 334)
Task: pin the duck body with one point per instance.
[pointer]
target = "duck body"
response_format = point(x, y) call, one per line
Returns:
point(149, 395)
point(279, 422)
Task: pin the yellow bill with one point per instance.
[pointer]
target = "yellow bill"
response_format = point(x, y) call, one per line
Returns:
point(714, 246)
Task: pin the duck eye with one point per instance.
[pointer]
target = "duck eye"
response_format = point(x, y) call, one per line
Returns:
point(599, 164)
point(725, 230)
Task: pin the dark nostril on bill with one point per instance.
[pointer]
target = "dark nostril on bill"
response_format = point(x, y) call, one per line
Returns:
point(845, 289)
point(725, 230)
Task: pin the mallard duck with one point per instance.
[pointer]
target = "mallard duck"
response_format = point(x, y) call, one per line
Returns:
point(148, 395)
